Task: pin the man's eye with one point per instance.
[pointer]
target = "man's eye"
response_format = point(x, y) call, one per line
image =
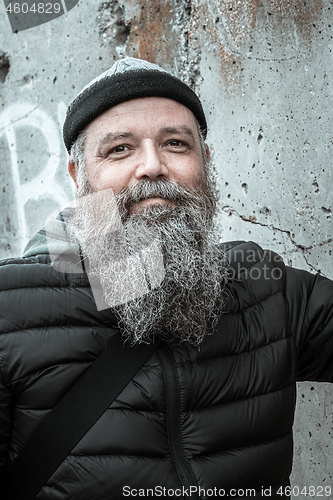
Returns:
point(118, 149)
point(176, 142)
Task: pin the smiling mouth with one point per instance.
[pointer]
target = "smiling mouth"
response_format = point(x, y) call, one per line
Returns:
point(136, 207)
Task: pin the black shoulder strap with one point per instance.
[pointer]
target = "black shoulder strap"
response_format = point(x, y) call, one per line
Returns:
point(73, 416)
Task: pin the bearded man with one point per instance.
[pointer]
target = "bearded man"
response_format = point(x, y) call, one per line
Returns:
point(210, 412)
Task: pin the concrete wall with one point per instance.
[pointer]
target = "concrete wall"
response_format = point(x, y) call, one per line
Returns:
point(264, 70)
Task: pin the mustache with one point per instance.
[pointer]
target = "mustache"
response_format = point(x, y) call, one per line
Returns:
point(161, 188)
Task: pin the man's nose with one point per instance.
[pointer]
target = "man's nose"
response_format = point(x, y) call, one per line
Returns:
point(152, 163)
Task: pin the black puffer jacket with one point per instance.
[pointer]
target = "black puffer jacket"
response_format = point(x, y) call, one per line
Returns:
point(219, 416)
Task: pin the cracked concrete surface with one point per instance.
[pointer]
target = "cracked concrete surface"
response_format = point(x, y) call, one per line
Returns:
point(303, 249)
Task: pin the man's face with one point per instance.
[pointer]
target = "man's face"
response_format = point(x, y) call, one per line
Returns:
point(145, 184)
point(148, 138)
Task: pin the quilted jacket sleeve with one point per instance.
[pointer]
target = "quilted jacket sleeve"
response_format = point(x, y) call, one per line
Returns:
point(310, 308)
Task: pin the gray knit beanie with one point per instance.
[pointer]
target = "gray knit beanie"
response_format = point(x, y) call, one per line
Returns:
point(127, 79)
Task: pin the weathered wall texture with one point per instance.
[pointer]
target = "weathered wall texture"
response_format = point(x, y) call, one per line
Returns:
point(264, 70)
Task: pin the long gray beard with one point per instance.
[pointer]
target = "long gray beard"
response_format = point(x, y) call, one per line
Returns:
point(187, 303)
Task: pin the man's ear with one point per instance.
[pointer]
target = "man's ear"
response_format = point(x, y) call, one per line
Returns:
point(72, 172)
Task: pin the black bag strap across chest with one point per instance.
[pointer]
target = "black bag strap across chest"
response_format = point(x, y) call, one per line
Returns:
point(73, 415)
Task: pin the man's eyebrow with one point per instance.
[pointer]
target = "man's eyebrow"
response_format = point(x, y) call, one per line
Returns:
point(184, 129)
point(112, 136)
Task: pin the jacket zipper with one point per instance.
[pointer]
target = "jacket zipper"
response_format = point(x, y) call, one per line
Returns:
point(182, 466)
